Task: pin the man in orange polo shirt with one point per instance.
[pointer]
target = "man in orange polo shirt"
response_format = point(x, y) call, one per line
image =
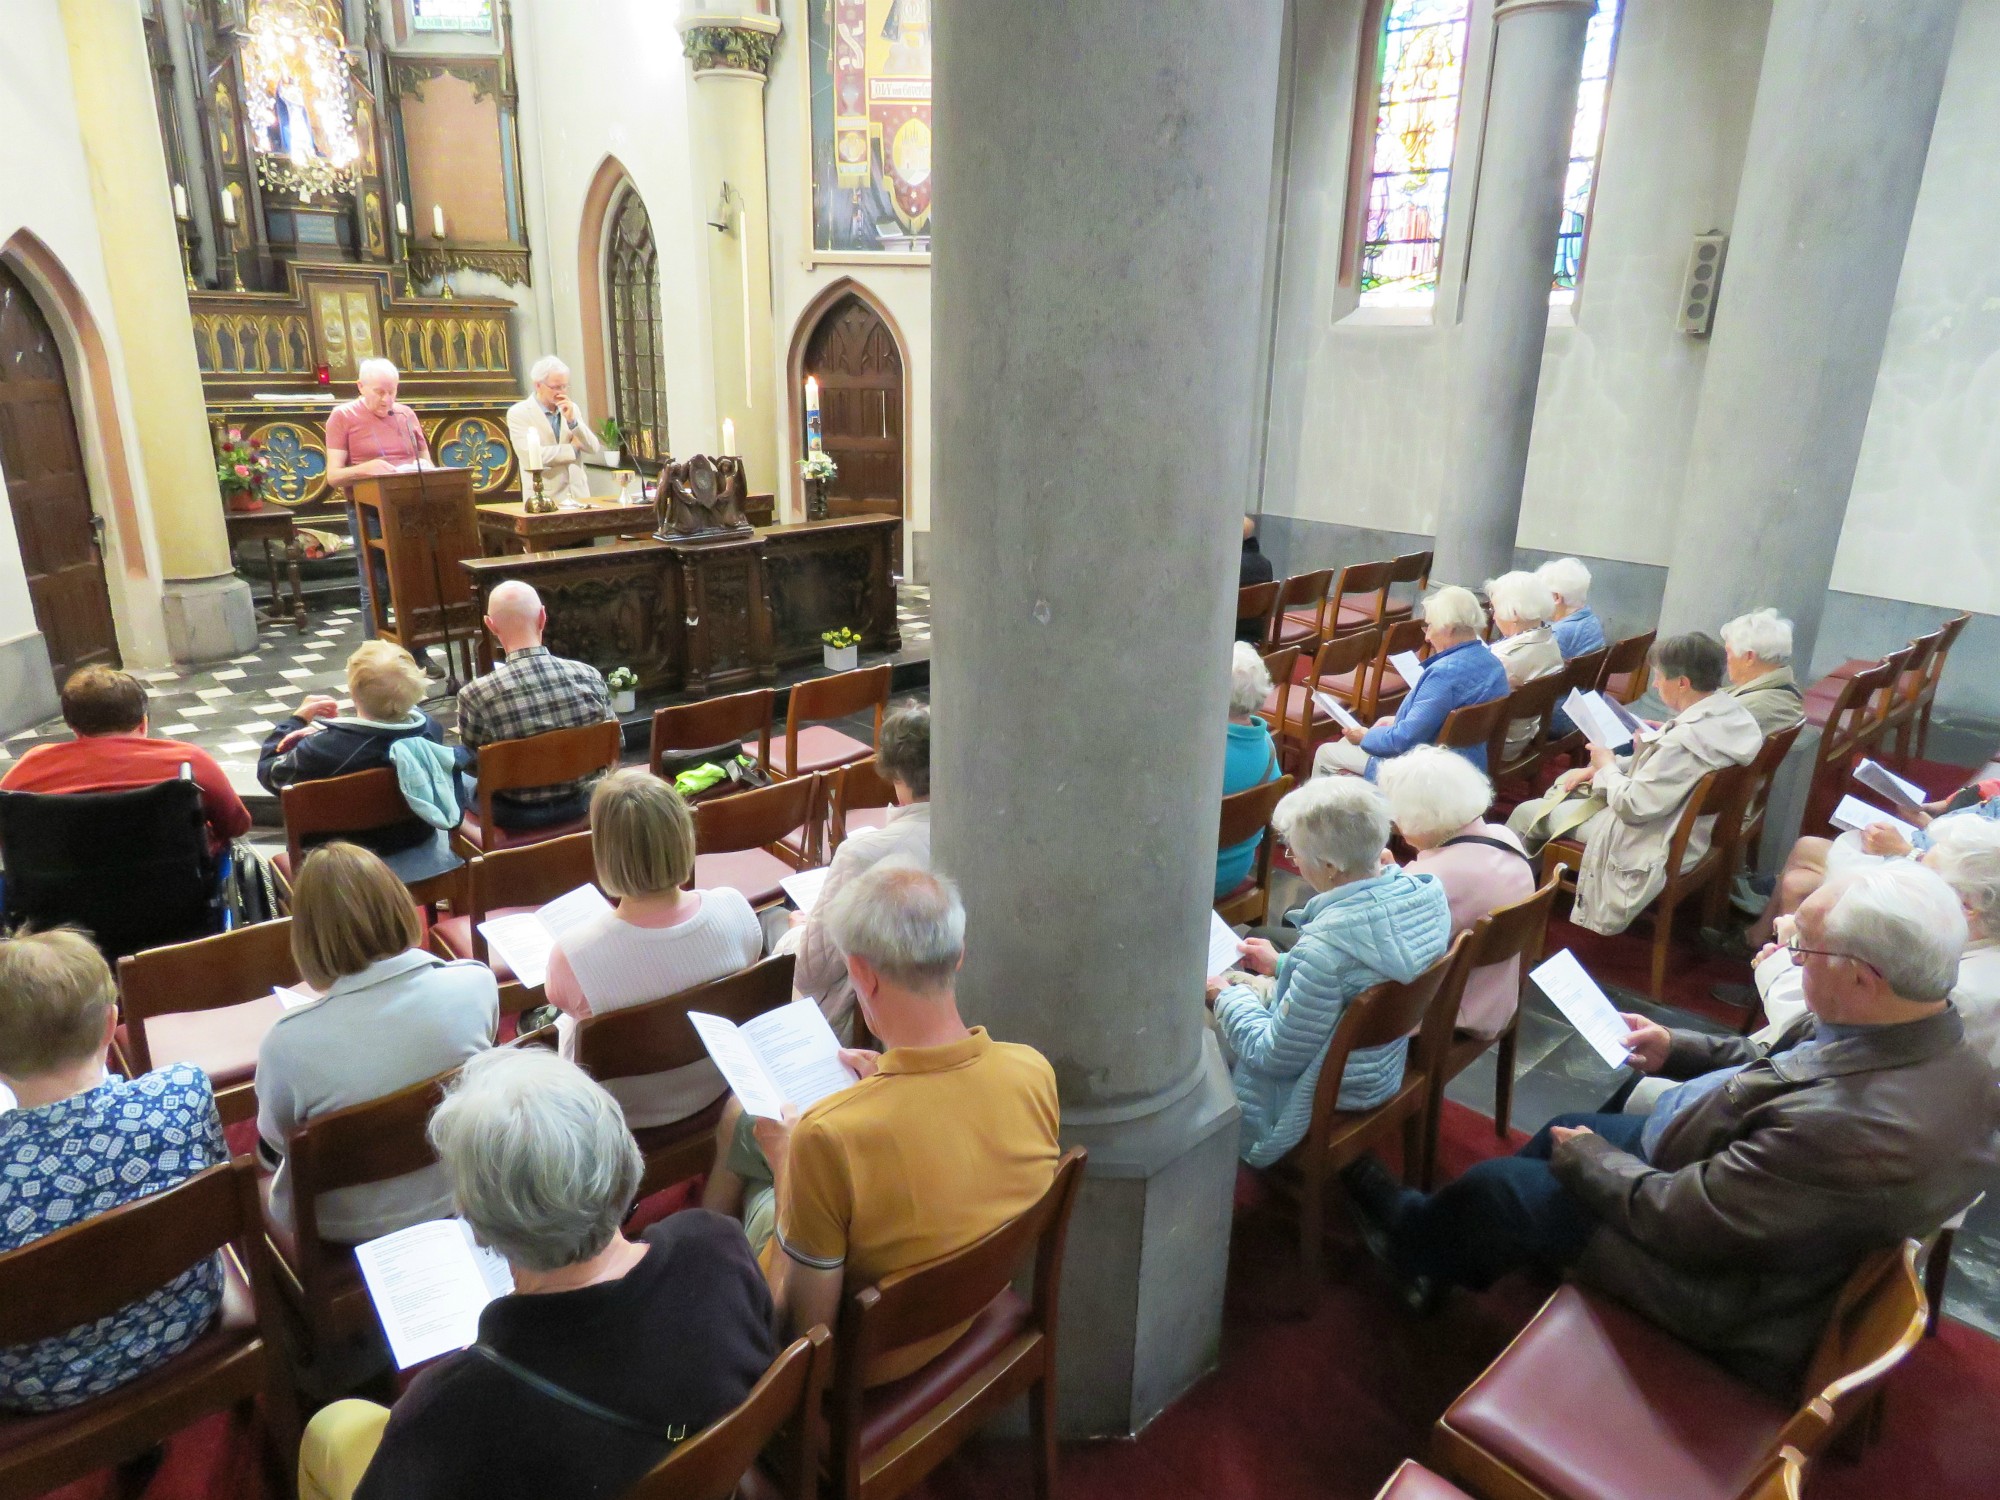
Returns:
point(372, 434)
point(106, 711)
point(947, 1136)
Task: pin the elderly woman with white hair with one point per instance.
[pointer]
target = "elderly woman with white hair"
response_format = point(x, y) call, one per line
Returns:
point(549, 433)
point(608, 1351)
point(1523, 605)
point(1368, 923)
point(1461, 671)
point(1575, 624)
point(1248, 759)
point(1438, 803)
point(372, 435)
point(1757, 648)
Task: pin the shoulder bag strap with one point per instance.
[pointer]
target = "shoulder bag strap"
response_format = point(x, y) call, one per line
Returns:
point(1492, 843)
point(568, 1397)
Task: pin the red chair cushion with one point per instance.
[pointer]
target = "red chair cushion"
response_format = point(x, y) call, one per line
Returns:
point(1664, 1420)
point(1249, 884)
point(891, 1409)
point(820, 749)
point(1354, 616)
point(454, 936)
point(752, 871)
point(1618, 684)
point(222, 1043)
point(866, 817)
point(1414, 1482)
point(469, 832)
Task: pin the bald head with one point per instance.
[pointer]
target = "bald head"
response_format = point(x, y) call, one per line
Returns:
point(515, 615)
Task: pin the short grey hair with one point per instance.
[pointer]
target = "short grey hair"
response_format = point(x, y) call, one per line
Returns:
point(1338, 821)
point(1905, 923)
point(1965, 852)
point(1249, 679)
point(909, 923)
point(540, 1160)
point(1432, 791)
point(370, 368)
point(1454, 608)
point(1567, 578)
point(1763, 633)
point(544, 367)
point(903, 753)
point(1521, 596)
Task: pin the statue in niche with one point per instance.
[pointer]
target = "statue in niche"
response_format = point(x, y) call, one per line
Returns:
point(701, 497)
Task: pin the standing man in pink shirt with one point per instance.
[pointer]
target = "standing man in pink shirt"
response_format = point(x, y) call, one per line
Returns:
point(374, 434)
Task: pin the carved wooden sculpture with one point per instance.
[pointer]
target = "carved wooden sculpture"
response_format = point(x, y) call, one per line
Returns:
point(701, 497)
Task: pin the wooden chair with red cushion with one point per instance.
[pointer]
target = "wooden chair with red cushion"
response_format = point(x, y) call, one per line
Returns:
point(1343, 669)
point(750, 841)
point(1847, 733)
point(1593, 1402)
point(1245, 814)
point(1745, 831)
point(720, 1461)
point(549, 759)
point(1359, 599)
point(1581, 673)
point(860, 797)
point(208, 1002)
point(1536, 699)
point(811, 744)
point(656, 1037)
point(1474, 724)
point(1412, 568)
point(1625, 675)
point(714, 724)
point(1927, 690)
point(886, 1438)
point(316, 811)
point(1255, 603)
point(507, 883)
point(318, 1280)
point(1509, 933)
point(1377, 1016)
point(1299, 617)
point(94, 1268)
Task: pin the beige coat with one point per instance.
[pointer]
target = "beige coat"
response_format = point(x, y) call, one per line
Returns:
point(1531, 654)
point(563, 474)
point(1773, 700)
point(1625, 845)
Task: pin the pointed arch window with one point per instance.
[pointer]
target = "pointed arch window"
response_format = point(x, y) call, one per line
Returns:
point(1600, 47)
point(638, 356)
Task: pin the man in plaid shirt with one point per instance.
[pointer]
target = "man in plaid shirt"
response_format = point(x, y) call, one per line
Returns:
point(532, 692)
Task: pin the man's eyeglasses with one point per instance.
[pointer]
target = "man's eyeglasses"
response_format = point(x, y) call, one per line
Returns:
point(1797, 952)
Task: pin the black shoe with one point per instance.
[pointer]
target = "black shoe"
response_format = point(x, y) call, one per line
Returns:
point(1736, 996)
point(1378, 1200)
point(432, 666)
point(1721, 944)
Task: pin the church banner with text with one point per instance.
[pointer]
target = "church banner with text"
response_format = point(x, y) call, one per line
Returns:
point(869, 67)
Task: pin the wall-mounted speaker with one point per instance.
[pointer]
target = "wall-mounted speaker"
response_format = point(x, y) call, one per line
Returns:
point(1704, 279)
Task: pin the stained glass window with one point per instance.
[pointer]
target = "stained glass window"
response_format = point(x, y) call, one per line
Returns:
point(1421, 65)
point(638, 353)
point(1585, 139)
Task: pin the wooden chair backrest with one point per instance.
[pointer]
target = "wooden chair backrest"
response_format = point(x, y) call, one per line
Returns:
point(1763, 770)
point(854, 787)
point(99, 1265)
point(711, 1464)
point(340, 804)
point(1628, 655)
point(1706, 794)
point(1947, 638)
point(821, 698)
point(1357, 582)
point(1302, 589)
point(655, 1037)
point(1534, 699)
point(1256, 601)
point(1348, 653)
point(1384, 1013)
point(1411, 567)
point(1882, 706)
point(209, 973)
point(1584, 672)
point(1282, 663)
point(531, 874)
point(1473, 723)
point(753, 819)
point(1879, 1317)
point(1917, 670)
point(713, 721)
point(546, 759)
point(1851, 723)
point(1404, 635)
point(1517, 931)
point(1248, 813)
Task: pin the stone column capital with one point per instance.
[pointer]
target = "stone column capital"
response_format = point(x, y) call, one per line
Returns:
point(1508, 9)
point(729, 44)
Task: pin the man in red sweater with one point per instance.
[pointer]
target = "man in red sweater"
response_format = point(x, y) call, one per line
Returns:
point(106, 710)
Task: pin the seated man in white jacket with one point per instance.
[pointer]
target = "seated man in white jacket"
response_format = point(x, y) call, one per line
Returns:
point(548, 432)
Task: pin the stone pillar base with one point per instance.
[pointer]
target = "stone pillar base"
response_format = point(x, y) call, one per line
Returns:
point(208, 619)
point(1148, 1253)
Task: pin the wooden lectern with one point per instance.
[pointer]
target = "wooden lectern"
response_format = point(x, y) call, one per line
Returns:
point(422, 525)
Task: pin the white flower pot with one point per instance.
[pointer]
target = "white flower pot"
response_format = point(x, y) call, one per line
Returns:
point(610, 459)
point(625, 700)
point(842, 658)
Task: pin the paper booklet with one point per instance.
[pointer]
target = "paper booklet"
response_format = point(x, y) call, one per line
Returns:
point(1408, 668)
point(1587, 1008)
point(1590, 713)
point(1335, 710)
point(292, 996)
point(804, 887)
point(1878, 778)
point(524, 941)
point(1637, 727)
point(429, 1284)
point(1222, 954)
point(785, 1056)
point(1854, 815)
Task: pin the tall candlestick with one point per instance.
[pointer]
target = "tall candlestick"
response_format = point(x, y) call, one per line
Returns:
point(812, 414)
point(437, 220)
point(229, 210)
point(728, 435)
point(403, 220)
point(180, 201)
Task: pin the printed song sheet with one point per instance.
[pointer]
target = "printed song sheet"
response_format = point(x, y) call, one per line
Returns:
point(1878, 778)
point(1854, 814)
point(1408, 668)
point(804, 887)
point(525, 940)
point(1588, 1009)
point(785, 1056)
point(1222, 954)
point(1335, 710)
point(429, 1284)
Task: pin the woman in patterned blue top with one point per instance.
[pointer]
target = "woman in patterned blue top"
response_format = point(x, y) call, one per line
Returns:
point(79, 1143)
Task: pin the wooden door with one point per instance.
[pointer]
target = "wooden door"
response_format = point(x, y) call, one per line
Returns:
point(43, 465)
point(853, 355)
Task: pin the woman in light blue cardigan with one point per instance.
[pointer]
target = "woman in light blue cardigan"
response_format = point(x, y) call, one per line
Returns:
point(1370, 923)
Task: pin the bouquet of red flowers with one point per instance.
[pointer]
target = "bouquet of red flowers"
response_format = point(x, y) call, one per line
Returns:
point(241, 470)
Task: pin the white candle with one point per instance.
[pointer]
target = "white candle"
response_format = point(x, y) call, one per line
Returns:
point(229, 209)
point(812, 396)
point(437, 220)
point(728, 435)
point(402, 220)
point(180, 201)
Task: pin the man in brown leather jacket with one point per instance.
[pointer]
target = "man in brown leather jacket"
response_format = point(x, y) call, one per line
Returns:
point(1732, 1214)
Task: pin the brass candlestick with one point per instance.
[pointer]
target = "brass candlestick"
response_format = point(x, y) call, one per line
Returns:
point(540, 505)
point(187, 256)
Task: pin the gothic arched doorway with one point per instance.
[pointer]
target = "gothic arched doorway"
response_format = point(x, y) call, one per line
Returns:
point(852, 352)
point(42, 459)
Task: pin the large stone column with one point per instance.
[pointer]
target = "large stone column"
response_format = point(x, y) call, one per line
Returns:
point(1523, 157)
point(208, 609)
point(1845, 103)
point(1104, 172)
point(731, 57)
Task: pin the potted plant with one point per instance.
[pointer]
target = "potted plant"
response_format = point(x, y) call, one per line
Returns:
point(816, 468)
point(613, 438)
point(241, 471)
point(624, 685)
point(843, 649)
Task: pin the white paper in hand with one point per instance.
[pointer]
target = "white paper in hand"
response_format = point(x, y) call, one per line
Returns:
point(292, 996)
point(1854, 815)
point(1599, 725)
point(1335, 710)
point(1588, 1009)
point(1408, 668)
point(1222, 953)
point(525, 940)
point(429, 1284)
point(804, 887)
point(1879, 778)
point(785, 1056)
